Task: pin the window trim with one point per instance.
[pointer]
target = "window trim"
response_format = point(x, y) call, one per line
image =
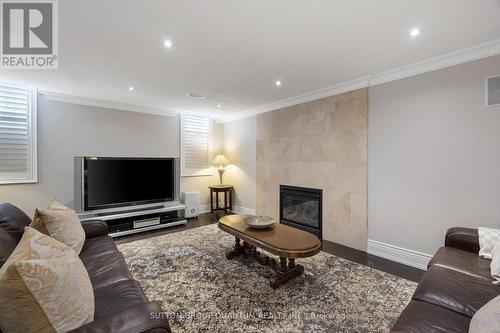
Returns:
point(32, 175)
point(189, 172)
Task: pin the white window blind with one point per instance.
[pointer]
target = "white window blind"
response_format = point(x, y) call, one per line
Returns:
point(17, 134)
point(196, 144)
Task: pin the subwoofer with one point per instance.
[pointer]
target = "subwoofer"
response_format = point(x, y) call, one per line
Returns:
point(192, 202)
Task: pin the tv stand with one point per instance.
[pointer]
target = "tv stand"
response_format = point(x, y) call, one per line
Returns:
point(134, 221)
point(132, 210)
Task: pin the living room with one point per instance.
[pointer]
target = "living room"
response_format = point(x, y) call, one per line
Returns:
point(224, 166)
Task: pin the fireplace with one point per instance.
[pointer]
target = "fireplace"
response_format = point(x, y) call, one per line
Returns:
point(301, 207)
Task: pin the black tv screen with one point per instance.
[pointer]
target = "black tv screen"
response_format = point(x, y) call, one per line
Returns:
point(118, 182)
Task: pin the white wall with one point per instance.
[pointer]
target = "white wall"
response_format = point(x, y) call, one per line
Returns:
point(68, 130)
point(433, 156)
point(239, 148)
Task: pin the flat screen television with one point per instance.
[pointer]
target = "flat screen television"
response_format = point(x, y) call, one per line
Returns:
point(112, 182)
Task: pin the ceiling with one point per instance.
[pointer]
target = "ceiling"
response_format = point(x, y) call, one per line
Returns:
point(233, 51)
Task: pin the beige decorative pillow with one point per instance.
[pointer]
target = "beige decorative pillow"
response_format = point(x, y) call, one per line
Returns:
point(44, 287)
point(487, 318)
point(36, 245)
point(56, 205)
point(495, 264)
point(62, 225)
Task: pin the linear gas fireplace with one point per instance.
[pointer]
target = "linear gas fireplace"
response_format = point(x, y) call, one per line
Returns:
point(301, 207)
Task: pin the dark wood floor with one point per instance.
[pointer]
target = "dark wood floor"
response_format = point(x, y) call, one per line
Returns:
point(363, 258)
point(345, 252)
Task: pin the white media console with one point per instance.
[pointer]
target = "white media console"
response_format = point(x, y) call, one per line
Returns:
point(131, 221)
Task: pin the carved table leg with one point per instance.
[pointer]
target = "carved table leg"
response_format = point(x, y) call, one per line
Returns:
point(286, 269)
point(283, 265)
point(286, 273)
point(249, 248)
point(237, 251)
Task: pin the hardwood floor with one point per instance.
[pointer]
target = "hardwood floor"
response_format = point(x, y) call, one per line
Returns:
point(338, 250)
point(363, 258)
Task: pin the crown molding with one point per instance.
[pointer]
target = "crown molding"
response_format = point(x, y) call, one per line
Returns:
point(462, 56)
point(307, 97)
point(218, 119)
point(72, 99)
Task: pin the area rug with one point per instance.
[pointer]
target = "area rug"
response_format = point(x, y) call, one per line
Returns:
point(201, 291)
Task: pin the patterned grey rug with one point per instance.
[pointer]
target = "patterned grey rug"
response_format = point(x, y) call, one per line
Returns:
point(201, 291)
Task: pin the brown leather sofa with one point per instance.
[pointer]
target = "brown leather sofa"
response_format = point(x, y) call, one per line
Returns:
point(120, 304)
point(457, 283)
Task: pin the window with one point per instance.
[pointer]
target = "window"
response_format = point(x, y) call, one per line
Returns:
point(17, 134)
point(196, 130)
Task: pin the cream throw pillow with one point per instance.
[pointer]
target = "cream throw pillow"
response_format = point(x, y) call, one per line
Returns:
point(44, 287)
point(487, 318)
point(495, 264)
point(60, 224)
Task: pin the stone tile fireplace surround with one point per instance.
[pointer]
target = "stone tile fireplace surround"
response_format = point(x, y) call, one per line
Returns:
point(320, 144)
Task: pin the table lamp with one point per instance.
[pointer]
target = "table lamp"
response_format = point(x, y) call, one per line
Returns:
point(221, 160)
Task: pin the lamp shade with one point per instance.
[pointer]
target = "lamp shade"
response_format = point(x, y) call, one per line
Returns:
point(220, 159)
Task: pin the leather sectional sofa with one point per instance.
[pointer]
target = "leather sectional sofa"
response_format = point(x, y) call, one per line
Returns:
point(120, 304)
point(457, 283)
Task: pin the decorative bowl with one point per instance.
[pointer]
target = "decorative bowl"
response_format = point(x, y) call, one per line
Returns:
point(260, 222)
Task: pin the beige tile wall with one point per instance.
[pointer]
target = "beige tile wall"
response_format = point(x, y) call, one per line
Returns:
point(320, 144)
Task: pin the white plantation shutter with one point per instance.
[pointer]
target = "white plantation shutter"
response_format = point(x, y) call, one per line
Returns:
point(17, 134)
point(196, 144)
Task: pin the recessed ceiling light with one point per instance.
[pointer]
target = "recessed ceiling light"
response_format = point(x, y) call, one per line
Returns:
point(219, 106)
point(278, 83)
point(167, 43)
point(131, 88)
point(415, 32)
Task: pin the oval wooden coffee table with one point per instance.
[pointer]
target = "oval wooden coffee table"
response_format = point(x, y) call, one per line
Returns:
point(286, 242)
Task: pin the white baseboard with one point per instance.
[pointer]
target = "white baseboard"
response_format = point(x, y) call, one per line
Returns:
point(243, 210)
point(398, 254)
point(236, 209)
point(204, 209)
